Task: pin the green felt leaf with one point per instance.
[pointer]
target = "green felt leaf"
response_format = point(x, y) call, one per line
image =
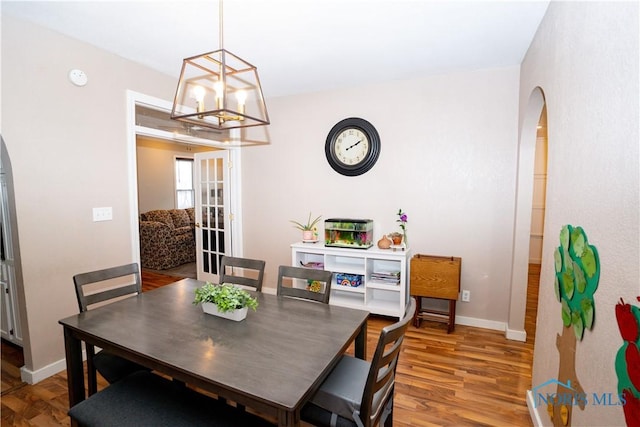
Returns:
point(578, 241)
point(566, 314)
point(556, 287)
point(557, 256)
point(587, 312)
point(567, 284)
point(578, 274)
point(589, 262)
point(578, 326)
point(564, 237)
point(568, 262)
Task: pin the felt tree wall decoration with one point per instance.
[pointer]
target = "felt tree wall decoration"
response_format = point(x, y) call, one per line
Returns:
point(628, 361)
point(577, 268)
point(577, 275)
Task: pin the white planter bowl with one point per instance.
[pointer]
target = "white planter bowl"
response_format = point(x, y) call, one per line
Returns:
point(237, 315)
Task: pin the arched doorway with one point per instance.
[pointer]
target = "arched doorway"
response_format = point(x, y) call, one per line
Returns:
point(522, 241)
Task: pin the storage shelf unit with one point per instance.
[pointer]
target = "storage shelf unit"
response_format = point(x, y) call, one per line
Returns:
point(375, 295)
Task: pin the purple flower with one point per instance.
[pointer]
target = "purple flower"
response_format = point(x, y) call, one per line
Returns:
point(402, 219)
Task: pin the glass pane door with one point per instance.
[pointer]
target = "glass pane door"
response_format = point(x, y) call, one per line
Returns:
point(213, 237)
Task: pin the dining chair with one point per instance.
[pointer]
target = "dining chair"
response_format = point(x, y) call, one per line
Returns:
point(357, 392)
point(312, 284)
point(113, 283)
point(242, 271)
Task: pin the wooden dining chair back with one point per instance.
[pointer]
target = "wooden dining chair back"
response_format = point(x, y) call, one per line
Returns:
point(360, 393)
point(101, 287)
point(242, 271)
point(306, 283)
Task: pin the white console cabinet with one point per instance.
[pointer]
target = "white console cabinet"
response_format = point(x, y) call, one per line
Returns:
point(377, 295)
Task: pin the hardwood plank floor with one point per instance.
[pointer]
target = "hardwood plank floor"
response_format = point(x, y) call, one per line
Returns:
point(471, 377)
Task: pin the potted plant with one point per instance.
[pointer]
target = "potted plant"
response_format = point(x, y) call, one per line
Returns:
point(309, 229)
point(225, 300)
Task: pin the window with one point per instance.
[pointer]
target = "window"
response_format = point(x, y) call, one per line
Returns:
point(184, 183)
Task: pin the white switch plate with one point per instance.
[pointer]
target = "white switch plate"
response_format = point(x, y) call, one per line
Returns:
point(466, 296)
point(102, 214)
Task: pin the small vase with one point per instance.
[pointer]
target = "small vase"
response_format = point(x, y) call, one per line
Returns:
point(384, 243)
point(397, 239)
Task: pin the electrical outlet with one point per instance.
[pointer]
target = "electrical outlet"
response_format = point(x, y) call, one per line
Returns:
point(102, 214)
point(466, 296)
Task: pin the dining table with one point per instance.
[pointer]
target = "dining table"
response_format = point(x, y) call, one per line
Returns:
point(273, 361)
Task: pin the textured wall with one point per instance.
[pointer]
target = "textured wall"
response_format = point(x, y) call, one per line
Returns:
point(585, 59)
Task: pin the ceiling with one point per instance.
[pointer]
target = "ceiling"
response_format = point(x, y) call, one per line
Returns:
point(302, 46)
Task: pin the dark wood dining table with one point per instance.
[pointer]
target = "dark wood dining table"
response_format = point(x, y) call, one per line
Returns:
point(273, 361)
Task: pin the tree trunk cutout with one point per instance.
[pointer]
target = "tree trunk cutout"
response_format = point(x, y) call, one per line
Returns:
point(577, 266)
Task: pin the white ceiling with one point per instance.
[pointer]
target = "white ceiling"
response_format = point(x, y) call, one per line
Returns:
point(304, 45)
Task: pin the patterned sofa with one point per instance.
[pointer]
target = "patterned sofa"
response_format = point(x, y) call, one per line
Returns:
point(167, 238)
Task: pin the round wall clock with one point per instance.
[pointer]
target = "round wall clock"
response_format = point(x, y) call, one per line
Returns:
point(352, 147)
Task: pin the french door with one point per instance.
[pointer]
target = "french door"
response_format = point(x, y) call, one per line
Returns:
point(212, 212)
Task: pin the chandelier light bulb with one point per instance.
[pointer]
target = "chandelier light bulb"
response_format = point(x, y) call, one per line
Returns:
point(198, 93)
point(219, 88)
point(241, 96)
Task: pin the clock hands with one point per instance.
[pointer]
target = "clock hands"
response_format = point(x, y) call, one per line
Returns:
point(348, 148)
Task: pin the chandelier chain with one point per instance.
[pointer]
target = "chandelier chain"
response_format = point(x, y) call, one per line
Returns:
point(221, 25)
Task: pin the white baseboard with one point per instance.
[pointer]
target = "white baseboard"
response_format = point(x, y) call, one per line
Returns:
point(270, 291)
point(32, 377)
point(533, 411)
point(480, 323)
point(516, 335)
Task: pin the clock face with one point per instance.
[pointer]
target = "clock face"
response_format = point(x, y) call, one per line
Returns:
point(352, 146)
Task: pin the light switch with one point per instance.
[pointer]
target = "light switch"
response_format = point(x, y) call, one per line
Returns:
point(102, 214)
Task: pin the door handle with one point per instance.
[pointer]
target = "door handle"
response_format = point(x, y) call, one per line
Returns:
point(197, 224)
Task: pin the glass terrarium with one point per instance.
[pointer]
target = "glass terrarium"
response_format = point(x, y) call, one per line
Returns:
point(348, 233)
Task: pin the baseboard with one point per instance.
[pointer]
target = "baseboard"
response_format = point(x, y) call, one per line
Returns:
point(480, 323)
point(516, 335)
point(533, 411)
point(32, 377)
point(270, 291)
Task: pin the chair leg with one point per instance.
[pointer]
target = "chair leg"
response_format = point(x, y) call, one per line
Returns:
point(388, 421)
point(92, 383)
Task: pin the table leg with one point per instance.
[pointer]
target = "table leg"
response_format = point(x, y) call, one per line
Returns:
point(288, 419)
point(75, 369)
point(361, 342)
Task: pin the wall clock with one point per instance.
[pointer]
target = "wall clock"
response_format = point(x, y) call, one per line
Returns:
point(352, 146)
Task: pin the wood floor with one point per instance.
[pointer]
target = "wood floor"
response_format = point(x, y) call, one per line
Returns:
point(471, 377)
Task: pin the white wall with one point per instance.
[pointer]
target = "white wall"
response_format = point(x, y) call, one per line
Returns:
point(68, 149)
point(156, 171)
point(585, 59)
point(448, 159)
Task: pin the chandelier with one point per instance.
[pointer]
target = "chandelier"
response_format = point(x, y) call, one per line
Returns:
point(219, 90)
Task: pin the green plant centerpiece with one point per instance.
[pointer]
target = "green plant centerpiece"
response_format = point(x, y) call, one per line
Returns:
point(225, 300)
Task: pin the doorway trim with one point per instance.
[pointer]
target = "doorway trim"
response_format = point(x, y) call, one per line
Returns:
point(522, 224)
point(136, 98)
